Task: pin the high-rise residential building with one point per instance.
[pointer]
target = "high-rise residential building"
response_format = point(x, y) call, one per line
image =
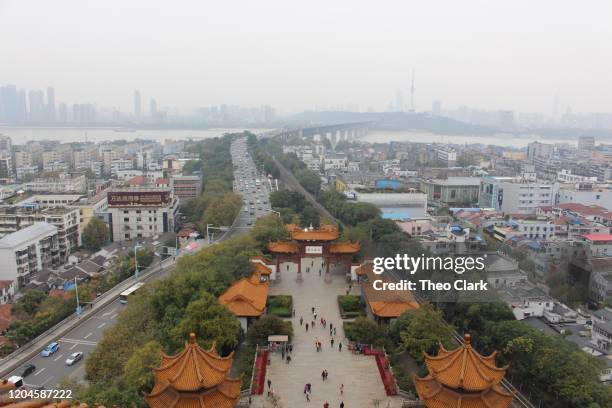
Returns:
point(137, 105)
point(8, 104)
point(153, 108)
point(22, 106)
point(37, 106)
point(63, 113)
point(51, 104)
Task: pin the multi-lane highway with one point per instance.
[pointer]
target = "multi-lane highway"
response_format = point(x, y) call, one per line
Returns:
point(251, 184)
point(86, 334)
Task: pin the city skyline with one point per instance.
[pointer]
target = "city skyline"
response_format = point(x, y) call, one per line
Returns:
point(197, 55)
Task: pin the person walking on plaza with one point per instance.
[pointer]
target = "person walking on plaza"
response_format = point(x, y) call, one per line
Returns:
point(306, 326)
point(340, 346)
point(269, 383)
point(332, 342)
point(341, 389)
point(326, 405)
point(315, 315)
point(313, 310)
point(323, 375)
point(301, 320)
point(342, 404)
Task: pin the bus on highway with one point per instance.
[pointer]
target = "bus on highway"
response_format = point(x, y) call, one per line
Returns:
point(123, 297)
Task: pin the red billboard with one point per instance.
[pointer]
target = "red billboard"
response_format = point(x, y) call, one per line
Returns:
point(138, 198)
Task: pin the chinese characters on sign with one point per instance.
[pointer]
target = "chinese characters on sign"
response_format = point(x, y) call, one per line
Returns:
point(135, 198)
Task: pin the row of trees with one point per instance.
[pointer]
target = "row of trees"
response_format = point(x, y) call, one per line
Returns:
point(119, 370)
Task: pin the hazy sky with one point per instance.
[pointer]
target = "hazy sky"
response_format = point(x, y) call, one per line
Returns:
point(495, 54)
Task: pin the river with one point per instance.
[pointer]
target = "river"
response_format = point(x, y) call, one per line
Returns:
point(22, 135)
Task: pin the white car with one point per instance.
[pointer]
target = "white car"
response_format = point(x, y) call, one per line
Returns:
point(74, 358)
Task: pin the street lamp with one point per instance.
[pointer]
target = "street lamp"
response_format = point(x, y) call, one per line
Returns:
point(136, 246)
point(212, 226)
point(76, 290)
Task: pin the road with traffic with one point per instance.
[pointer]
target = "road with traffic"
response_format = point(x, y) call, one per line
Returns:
point(85, 335)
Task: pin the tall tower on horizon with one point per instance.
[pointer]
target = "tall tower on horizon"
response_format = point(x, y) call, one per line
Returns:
point(137, 106)
point(412, 92)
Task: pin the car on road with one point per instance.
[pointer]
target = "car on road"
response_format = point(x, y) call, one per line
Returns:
point(26, 370)
point(50, 349)
point(74, 358)
point(16, 380)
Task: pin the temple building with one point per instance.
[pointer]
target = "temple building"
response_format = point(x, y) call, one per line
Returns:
point(194, 378)
point(247, 297)
point(462, 378)
point(314, 243)
point(383, 305)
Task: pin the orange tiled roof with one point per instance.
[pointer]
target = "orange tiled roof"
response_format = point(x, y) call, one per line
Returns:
point(247, 297)
point(283, 247)
point(262, 269)
point(385, 303)
point(437, 395)
point(345, 248)
point(194, 378)
point(465, 368)
point(324, 233)
point(392, 308)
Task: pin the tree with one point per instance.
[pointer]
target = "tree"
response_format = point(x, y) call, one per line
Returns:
point(138, 370)
point(267, 326)
point(365, 331)
point(28, 304)
point(309, 180)
point(210, 321)
point(424, 332)
point(95, 234)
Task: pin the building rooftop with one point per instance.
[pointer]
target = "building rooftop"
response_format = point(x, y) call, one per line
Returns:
point(34, 231)
point(456, 181)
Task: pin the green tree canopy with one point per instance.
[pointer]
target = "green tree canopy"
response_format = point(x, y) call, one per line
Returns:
point(95, 234)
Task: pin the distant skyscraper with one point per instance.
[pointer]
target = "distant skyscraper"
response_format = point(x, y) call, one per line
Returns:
point(63, 112)
point(137, 105)
point(22, 106)
point(399, 101)
point(51, 104)
point(8, 104)
point(436, 107)
point(153, 108)
point(37, 106)
point(412, 93)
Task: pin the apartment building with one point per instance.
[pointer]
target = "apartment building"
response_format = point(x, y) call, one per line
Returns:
point(139, 212)
point(515, 195)
point(66, 184)
point(186, 187)
point(26, 252)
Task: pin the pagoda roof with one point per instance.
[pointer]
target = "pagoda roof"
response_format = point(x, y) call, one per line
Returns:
point(283, 247)
point(465, 368)
point(193, 368)
point(261, 269)
point(385, 303)
point(225, 395)
point(436, 395)
point(345, 248)
point(247, 297)
point(323, 233)
point(194, 378)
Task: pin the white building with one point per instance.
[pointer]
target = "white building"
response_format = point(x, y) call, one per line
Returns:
point(136, 212)
point(586, 194)
point(514, 195)
point(334, 162)
point(28, 251)
point(566, 176)
point(447, 155)
point(76, 184)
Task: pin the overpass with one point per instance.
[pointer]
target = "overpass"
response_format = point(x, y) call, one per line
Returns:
point(334, 133)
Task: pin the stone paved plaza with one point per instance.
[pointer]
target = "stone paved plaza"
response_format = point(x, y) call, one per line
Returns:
point(358, 373)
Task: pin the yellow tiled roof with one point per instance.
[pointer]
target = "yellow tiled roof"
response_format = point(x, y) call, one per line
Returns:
point(436, 395)
point(465, 368)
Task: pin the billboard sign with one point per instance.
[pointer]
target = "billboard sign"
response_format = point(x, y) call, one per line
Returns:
point(138, 198)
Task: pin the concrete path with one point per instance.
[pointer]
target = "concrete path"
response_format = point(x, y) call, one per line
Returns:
point(358, 373)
